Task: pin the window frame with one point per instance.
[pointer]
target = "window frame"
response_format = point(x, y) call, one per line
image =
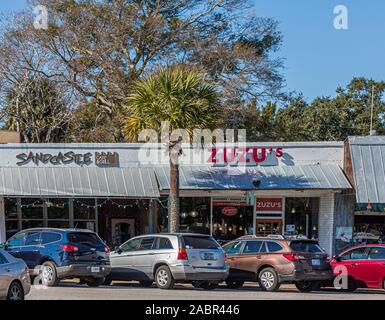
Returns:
point(252, 253)
point(19, 233)
point(153, 246)
point(351, 250)
point(158, 243)
point(369, 251)
point(267, 246)
point(28, 233)
point(131, 240)
point(52, 232)
point(233, 242)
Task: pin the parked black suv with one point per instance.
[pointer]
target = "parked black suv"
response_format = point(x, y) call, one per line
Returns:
point(62, 254)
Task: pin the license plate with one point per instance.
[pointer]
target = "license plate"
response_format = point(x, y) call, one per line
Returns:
point(95, 269)
point(208, 256)
point(315, 262)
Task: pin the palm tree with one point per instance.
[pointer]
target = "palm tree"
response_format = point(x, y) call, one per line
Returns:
point(181, 96)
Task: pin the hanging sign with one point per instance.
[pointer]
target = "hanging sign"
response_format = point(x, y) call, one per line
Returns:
point(229, 211)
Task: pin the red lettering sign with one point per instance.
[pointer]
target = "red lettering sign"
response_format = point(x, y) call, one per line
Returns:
point(268, 205)
point(229, 211)
point(243, 155)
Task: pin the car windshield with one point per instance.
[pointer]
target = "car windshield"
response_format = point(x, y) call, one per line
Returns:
point(305, 246)
point(197, 242)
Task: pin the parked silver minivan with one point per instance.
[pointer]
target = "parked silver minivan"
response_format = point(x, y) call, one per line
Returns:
point(170, 258)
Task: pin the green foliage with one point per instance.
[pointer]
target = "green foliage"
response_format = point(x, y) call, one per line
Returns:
point(179, 95)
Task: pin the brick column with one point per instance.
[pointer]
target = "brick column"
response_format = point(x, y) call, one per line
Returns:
point(326, 222)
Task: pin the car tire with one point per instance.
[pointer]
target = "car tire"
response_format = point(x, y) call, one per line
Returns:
point(308, 286)
point(93, 282)
point(107, 280)
point(234, 284)
point(146, 283)
point(163, 278)
point(268, 280)
point(48, 275)
point(15, 292)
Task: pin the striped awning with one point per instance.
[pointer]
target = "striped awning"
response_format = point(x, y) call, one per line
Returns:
point(78, 182)
point(270, 177)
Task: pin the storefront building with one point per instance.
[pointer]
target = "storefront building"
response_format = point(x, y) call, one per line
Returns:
point(118, 190)
point(365, 168)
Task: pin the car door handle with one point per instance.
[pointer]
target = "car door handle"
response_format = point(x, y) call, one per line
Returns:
point(231, 258)
point(258, 257)
point(8, 269)
point(354, 264)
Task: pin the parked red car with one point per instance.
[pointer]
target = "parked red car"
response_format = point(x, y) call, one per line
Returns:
point(365, 265)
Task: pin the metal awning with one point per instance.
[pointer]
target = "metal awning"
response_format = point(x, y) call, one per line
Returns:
point(270, 177)
point(368, 162)
point(78, 182)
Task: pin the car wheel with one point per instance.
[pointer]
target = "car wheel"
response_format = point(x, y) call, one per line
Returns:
point(268, 280)
point(163, 278)
point(352, 286)
point(206, 285)
point(15, 292)
point(49, 275)
point(107, 280)
point(146, 283)
point(93, 282)
point(308, 286)
point(233, 284)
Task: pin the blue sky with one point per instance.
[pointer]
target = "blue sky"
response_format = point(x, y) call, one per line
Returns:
point(318, 58)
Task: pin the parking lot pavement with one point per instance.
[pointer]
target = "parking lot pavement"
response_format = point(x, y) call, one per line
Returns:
point(70, 290)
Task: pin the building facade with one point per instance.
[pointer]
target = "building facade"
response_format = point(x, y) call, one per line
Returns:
point(121, 190)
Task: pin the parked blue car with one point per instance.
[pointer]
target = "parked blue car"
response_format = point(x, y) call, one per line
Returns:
point(55, 254)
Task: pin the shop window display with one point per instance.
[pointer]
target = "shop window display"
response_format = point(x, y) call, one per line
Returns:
point(301, 217)
point(195, 215)
point(231, 219)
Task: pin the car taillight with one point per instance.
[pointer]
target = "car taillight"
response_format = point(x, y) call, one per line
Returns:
point(294, 257)
point(69, 248)
point(106, 249)
point(182, 254)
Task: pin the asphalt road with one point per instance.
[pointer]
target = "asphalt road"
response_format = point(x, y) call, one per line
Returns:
point(70, 290)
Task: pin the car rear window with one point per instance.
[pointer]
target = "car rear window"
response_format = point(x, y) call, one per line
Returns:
point(84, 238)
point(305, 246)
point(196, 242)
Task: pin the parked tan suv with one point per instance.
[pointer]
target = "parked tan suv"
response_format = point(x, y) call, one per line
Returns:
point(274, 260)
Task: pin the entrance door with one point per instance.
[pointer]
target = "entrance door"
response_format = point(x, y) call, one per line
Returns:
point(271, 226)
point(122, 230)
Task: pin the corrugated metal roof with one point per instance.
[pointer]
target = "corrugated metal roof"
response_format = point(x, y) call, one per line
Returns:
point(273, 177)
point(80, 182)
point(368, 161)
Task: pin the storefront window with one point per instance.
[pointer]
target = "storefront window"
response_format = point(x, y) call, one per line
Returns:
point(231, 219)
point(162, 217)
point(195, 215)
point(32, 208)
point(85, 214)
point(301, 217)
point(58, 209)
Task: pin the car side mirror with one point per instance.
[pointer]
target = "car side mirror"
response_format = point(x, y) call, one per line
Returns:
point(3, 245)
point(119, 251)
point(337, 258)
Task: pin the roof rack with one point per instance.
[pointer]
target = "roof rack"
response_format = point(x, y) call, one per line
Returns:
point(269, 236)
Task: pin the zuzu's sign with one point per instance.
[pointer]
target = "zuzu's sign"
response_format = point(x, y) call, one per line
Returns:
point(269, 205)
point(236, 155)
